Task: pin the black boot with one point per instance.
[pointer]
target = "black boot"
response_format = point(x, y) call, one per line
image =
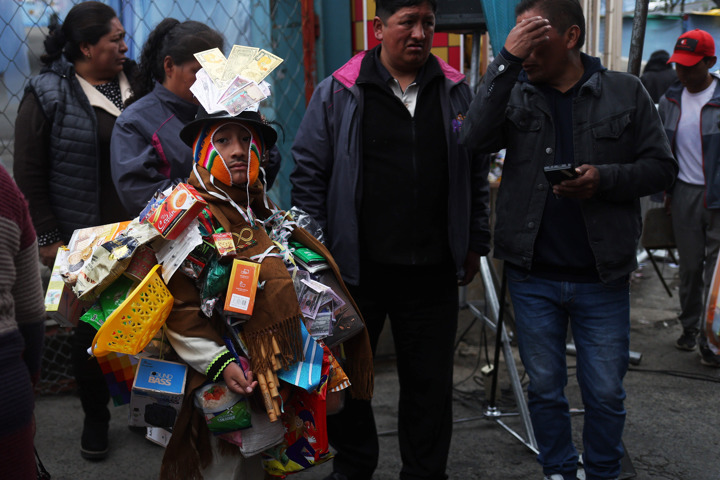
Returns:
point(94, 395)
point(94, 442)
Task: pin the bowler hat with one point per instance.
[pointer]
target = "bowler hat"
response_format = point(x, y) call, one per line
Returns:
point(190, 131)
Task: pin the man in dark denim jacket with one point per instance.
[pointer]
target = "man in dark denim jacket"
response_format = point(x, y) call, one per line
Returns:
point(569, 248)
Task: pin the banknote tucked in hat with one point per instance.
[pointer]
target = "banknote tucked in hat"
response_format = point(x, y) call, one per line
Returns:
point(230, 91)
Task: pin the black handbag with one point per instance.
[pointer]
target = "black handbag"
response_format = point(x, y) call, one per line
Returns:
point(657, 231)
point(348, 321)
point(42, 473)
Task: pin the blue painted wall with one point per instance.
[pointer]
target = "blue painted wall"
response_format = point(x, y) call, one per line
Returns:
point(335, 43)
point(288, 100)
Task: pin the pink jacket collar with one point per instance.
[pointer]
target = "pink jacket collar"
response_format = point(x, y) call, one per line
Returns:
point(348, 73)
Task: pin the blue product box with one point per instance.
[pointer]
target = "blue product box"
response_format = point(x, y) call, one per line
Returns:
point(157, 393)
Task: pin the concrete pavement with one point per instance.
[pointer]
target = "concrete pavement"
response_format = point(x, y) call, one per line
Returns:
point(670, 434)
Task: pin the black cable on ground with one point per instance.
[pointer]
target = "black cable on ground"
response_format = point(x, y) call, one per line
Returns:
point(677, 373)
point(462, 336)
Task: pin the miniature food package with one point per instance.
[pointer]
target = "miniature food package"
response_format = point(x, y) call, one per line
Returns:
point(240, 298)
point(224, 244)
point(61, 304)
point(94, 316)
point(224, 410)
point(83, 243)
point(115, 294)
point(174, 213)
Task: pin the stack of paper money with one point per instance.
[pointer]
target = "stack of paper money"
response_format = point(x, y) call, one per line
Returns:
point(236, 83)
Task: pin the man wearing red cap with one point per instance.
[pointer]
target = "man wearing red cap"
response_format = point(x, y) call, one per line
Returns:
point(691, 114)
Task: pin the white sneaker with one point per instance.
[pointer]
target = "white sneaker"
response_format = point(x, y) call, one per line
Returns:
point(554, 476)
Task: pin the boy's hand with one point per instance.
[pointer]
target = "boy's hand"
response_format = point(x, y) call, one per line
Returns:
point(237, 380)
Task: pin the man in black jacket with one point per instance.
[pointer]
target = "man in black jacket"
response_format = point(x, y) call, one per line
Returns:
point(405, 212)
point(569, 247)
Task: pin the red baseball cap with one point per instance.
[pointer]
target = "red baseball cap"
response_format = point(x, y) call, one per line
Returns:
point(693, 46)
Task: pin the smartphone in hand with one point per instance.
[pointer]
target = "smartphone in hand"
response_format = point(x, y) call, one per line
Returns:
point(557, 173)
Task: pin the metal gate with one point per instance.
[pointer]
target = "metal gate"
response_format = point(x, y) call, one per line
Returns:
point(275, 25)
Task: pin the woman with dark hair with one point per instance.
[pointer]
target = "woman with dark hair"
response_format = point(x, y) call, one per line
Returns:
point(146, 152)
point(62, 162)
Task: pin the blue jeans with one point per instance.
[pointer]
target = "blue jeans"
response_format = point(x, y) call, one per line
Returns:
point(599, 317)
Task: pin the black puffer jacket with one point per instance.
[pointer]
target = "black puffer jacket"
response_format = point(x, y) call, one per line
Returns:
point(62, 153)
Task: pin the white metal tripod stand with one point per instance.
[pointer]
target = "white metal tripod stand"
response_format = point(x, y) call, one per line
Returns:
point(496, 310)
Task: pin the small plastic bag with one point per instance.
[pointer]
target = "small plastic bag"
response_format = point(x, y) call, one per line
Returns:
point(304, 220)
point(214, 284)
point(224, 410)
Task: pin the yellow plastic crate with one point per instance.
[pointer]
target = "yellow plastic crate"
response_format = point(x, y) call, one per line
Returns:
point(136, 321)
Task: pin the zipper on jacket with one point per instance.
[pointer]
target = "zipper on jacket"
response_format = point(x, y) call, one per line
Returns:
point(416, 193)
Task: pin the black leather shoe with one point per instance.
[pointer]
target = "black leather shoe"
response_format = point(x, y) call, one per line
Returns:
point(687, 340)
point(138, 430)
point(708, 358)
point(94, 441)
point(336, 476)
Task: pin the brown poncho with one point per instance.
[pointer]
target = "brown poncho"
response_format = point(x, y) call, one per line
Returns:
point(276, 313)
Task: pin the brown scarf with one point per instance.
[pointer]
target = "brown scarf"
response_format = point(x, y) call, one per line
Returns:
point(276, 314)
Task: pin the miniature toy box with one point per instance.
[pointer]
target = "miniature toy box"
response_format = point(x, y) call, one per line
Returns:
point(61, 304)
point(157, 393)
point(171, 216)
point(240, 298)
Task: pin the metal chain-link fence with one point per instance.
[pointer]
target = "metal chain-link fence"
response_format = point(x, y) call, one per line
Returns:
point(275, 25)
point(56, 375)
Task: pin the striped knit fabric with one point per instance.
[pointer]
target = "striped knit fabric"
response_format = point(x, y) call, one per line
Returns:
point(22, 311)
point(257, 146)
point(206, 155)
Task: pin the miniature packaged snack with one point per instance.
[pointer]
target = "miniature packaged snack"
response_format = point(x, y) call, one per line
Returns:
point(105, 252)
point(114, 295)
point(224, 410)
point(176, 211)
point(107, 263)
point(194, 264)
point(240, 298)
point(224, 244)
point(94, 316)
point(142, 262)
point(215, 284)
point(61, 304)
point(82, 245)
